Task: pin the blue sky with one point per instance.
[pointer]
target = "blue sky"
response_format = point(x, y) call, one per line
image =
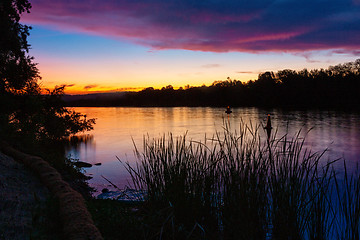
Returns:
point(95, 45)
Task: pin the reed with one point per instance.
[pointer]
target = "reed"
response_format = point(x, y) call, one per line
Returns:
point(236, 185)
point(348, 197)
point(243, 184)
point(298, 190)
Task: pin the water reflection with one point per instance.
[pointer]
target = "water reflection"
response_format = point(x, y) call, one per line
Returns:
point(117, 128)
point(82, 143)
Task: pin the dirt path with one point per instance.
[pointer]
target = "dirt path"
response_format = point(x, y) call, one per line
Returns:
point(21, 193)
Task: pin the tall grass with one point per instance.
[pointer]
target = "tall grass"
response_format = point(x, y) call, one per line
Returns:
point(182, 178)
point(238, 186)
point(348, 193)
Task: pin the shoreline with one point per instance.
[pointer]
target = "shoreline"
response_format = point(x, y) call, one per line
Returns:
point(76, 220)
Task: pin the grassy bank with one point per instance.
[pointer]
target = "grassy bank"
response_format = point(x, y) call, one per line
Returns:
point(236, 185)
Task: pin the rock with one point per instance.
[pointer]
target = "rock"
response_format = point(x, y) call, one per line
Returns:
point(82, 164)
point(105, 190)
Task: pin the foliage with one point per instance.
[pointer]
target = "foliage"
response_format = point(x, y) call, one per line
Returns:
point(24, 110)
point(45, 117)
point(18, 73)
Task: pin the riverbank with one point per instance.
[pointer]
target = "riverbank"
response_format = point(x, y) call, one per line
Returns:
point(76, 222)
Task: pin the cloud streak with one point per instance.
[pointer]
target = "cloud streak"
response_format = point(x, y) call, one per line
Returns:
point(245, 72)
point(215, 26)
point(88, 87)
point(68, 85)
point(214, 65)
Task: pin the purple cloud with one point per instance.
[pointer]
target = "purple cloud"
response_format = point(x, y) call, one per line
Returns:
point(308, 56)
point(217, 26)
point(355, 53)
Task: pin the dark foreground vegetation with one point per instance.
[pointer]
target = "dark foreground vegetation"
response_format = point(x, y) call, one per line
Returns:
point(236, 186)
point(24, 110)
point(335, 87)
point(31, 121)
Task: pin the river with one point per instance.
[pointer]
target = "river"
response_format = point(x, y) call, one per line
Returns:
point(118, 129)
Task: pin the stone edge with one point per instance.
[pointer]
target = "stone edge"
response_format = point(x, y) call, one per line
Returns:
point(77, 221)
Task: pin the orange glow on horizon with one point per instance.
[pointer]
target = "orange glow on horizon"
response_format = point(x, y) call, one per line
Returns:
point(81, 77)
point(82, 90)
point(74, 87)
point(79, 91)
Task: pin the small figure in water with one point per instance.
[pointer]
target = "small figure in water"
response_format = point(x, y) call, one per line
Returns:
point(268, 126)
point(228, 111)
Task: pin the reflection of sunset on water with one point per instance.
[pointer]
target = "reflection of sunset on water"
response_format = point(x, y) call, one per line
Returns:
point(116, 127)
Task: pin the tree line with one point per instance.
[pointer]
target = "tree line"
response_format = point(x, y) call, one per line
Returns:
point(337, 86)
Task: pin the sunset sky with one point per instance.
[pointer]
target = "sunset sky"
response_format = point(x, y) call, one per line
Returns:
point(114, 45)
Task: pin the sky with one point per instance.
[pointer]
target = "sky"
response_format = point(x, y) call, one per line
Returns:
point(126, 45)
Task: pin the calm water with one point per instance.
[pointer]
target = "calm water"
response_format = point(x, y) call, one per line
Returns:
point(117, 128)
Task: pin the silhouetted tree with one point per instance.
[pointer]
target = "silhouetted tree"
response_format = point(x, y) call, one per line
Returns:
point(23, 109)
point(18, 73)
